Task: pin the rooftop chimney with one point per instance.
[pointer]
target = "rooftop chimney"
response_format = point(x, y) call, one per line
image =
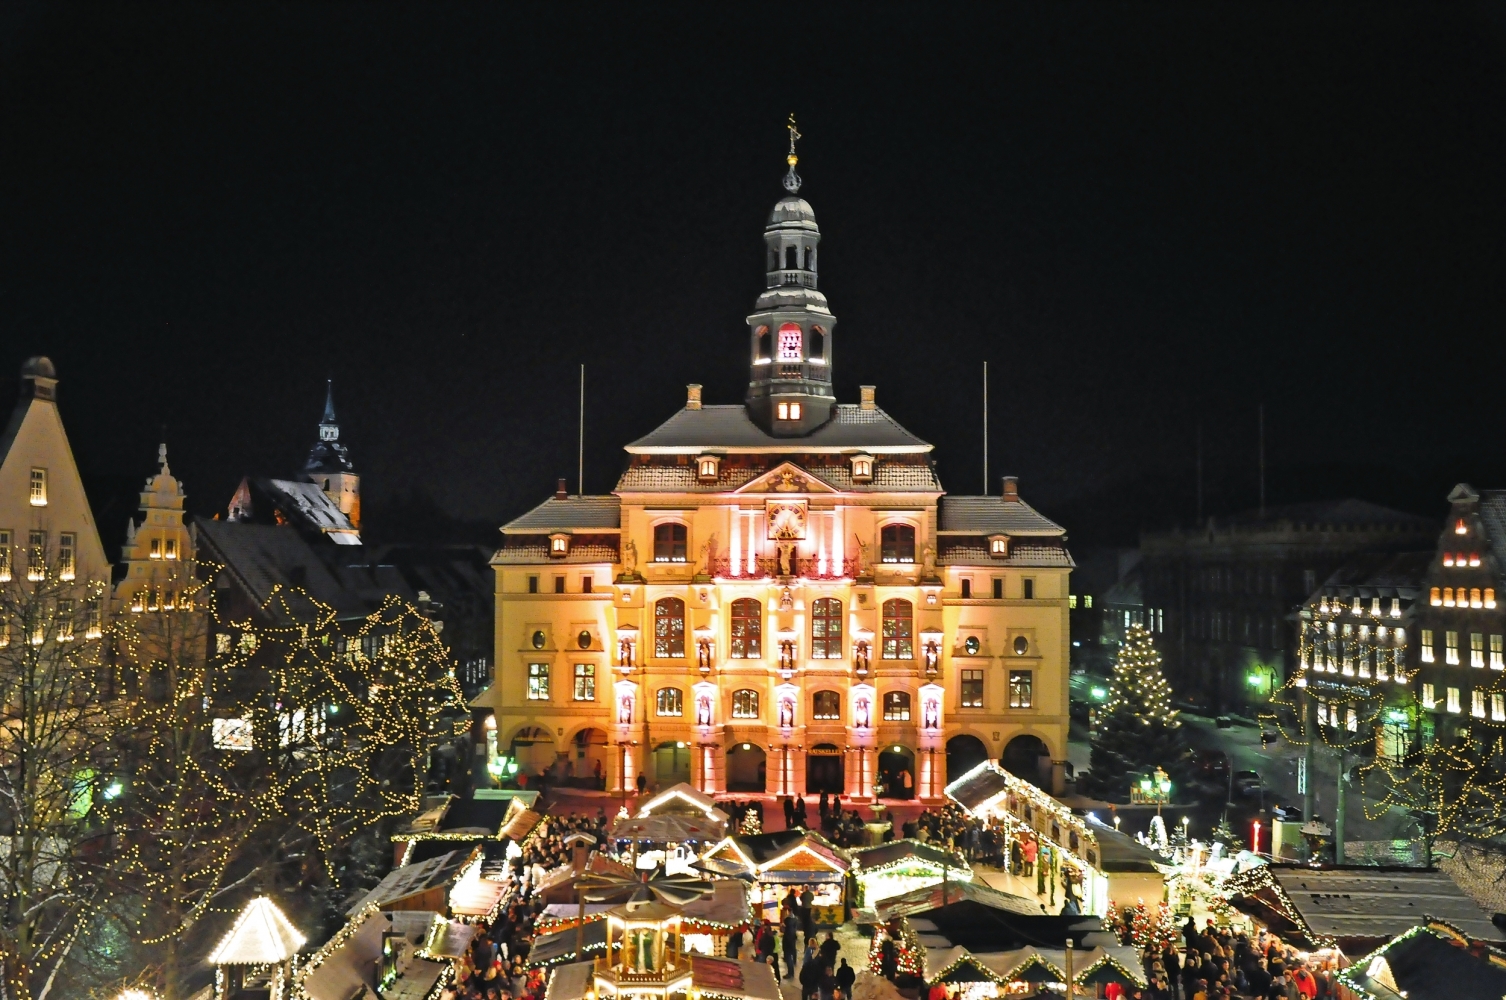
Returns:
point(865, 398)
point(692, 397)
point(1011, 489)
point(560, 490)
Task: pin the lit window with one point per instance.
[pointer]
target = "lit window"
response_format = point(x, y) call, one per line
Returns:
point(789, 411)
point(36, 557)
point(538, 682)
point(972, 689)
point(1381, 669)
point(1071, 603)
point(1429, 700)
point(669, 542)
point(1496, 662)
point(669, 627)
point(896, 706)
point(156, 552)
point(1427, 645)
point(789, 342)
point(898, 630)
point(1459, 527)
point(1477, 703)
point(1351, 720)
point(1474, 597)
point(1395, 607)
point(826, 629)
point(1434, 597)
point(1451, 648)
point(745, 704)
point(862, 467)
point(585, 682)
point(222, 643)
point(1498, 708)
point(998, 545)
point(232, 734)
point(1448, 597)
point(1448, 559)
point(39, 487)
point(67, 562)
point(1476, 649)
point(1453, 700)
point(1087, 602)
point(4, 556)
point(171, 549)
point(1021, 688)
point(706, 467)
point(826, 706)
point(897, 543)
point(559, 545)
point(747, 629)
point(1375, 607)
point(1474, 558)
point(1490, 597)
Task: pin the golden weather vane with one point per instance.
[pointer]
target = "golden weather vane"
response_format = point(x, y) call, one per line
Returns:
point(792, 179)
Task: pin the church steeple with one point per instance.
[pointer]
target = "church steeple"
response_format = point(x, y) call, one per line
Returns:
point(789, 389)
point(329, 465)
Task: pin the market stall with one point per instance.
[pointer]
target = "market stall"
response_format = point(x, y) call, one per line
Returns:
point(778, 863)
point(900, 866)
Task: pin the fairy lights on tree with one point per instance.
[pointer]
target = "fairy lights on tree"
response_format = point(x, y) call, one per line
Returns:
point(1139, 730)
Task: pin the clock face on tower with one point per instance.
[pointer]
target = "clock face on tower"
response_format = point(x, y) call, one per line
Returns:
point(786, 519)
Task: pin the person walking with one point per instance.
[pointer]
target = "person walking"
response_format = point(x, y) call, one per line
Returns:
point(791, 934)
point(845, 977)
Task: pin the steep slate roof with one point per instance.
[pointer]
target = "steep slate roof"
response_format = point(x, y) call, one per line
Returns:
point(587, 513)
point(729, 428)
point(1331, 512)
point(1493, 513)
point(963, 515)
point(888, 477)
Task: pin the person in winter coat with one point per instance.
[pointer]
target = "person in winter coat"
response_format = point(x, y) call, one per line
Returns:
point(845, 976)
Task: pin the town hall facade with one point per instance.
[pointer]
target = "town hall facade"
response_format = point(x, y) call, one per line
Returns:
point(779, 596)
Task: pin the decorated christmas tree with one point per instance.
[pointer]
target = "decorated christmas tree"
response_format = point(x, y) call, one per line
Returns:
point(1138, 730)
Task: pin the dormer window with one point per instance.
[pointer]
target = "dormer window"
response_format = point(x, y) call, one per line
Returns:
point(706, 468)
point(788, 411)
point(559, 545)
point(1460, 528)
point(862, 468)
point(998, 546)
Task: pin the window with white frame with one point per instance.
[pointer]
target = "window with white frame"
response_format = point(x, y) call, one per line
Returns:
point(1498, 707)
point(585, 682)
point(670, 702)
point(1496, 661)
point(67, 561)
point(972, 689)
point(1453, 704)
point(538, 682)
point(38, 487)
point(1427, 645)
point(1451, 648)
point(1477, 649)
point(1429, 698)
point(4, 556)
point(745, 704)
point(36, 556)
point(1477, 703)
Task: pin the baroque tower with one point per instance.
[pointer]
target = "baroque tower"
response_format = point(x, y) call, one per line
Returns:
point(789, 388)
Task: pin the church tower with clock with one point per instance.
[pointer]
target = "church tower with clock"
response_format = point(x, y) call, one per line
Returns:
point(779, 596)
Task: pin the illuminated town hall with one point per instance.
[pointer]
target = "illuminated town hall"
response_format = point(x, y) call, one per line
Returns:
point(779, 596)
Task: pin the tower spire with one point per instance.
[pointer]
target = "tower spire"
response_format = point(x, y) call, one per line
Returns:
point(329, 402)
point(792, 179)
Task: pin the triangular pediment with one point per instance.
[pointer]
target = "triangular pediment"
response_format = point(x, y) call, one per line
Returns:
point(786, 477)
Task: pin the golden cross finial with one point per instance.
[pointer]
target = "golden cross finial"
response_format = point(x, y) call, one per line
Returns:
point(794, 134)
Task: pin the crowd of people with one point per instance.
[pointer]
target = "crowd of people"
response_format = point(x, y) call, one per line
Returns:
point(822, 974)
point(1216, 963)
point(495, 967)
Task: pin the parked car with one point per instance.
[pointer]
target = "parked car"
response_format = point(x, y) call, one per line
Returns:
point(1248, 783)
point(1213, 765)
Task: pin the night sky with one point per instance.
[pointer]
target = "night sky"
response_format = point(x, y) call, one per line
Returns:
point(1145, 217)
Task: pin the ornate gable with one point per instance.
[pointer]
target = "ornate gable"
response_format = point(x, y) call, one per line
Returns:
point(786, 477)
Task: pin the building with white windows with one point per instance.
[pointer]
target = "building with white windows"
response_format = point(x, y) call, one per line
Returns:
point(779, 595)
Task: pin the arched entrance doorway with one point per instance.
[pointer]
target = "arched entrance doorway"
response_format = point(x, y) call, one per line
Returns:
point(823, 769)
point(896, 772)
point(588, 759)
point(671, 764)
point(963, 753)
point(1022, 758)
point(533, 749)
point(747, 768)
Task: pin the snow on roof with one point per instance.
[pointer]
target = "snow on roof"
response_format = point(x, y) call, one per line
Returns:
point(261, 935)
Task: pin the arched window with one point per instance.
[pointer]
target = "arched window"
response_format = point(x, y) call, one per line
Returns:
point(671, 701)
point(745, 704)
point(810, 258)
point(897, 543)
point(826, 706)
point(826, 629)
point(896, 706)
point(791, 258)
point(669, 543)
point(669, 627)
point(899, 630)
point(789, 342)
point(818, 344)
point(747, 629)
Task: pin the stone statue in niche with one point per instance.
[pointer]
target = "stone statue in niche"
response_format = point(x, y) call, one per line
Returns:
point(786, 713)
point(703, 710)
point(786, 600)
point(862, 548)
point(708, 555)
point(625, 710)
point(629, 557)
point(786, 558)
point(928, 557)
point(862, 712)
point(931, 718)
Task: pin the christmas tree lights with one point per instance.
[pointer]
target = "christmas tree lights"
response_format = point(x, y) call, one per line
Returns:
point(1139, 730)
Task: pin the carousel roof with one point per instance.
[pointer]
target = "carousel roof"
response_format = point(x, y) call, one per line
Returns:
point(261, 935)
